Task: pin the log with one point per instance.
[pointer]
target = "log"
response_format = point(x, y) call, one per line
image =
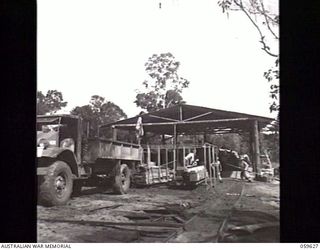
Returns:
point(106, 207)
point(109, 223)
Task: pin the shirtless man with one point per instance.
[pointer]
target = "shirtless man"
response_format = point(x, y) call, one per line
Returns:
point(191, 158)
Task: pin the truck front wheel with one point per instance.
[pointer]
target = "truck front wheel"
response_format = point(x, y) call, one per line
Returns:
point(56, 186)
point(122, 179)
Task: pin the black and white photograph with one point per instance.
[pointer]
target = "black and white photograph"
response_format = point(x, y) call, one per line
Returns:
point(157, 121)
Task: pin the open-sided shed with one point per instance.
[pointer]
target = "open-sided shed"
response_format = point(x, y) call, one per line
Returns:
point(193, 120)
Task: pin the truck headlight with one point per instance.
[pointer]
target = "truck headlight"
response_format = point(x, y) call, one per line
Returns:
point(43, 143)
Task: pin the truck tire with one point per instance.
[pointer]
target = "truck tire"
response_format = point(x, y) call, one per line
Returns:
point(56, 188)
point(122, 178)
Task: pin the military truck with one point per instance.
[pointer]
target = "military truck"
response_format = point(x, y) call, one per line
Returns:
point(70, 157)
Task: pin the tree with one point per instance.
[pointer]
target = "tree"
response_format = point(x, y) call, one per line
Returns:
point(99, 111)
point(173, 98)
point(265, 20)
point(49, 103)
point(164, 87)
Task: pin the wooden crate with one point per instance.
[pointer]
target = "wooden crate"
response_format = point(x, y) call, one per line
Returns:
point(151, 174)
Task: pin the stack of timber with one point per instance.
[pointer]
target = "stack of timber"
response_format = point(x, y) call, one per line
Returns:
point(149, 174)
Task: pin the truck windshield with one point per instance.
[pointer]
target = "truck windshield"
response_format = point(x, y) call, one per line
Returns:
point(48, 133)
point(46, 128)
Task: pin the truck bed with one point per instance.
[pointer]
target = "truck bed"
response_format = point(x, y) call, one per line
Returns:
point(99, 148)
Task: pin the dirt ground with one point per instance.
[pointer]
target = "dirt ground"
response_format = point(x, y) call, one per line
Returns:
point(232, 211)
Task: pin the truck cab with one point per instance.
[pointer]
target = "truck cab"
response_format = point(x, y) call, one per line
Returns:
point(70, 156)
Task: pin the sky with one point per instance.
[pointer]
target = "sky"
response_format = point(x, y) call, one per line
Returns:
point(99, 47)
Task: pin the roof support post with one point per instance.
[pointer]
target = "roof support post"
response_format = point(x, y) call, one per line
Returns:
point(148, 155)
point(180, 112)
point(256, 161)
point(209, 165)
point(114, 133)
point(205, 163)
point(174, 150)
point(205, 137)
point(167, 164)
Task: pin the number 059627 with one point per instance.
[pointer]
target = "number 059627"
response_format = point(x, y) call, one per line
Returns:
point(312, 245)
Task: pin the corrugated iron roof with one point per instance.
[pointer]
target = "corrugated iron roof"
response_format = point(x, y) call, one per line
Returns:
point(192, 119)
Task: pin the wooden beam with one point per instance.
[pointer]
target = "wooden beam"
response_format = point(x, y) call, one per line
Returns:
point(214, 175)
point(184, 155)
point(210, 169)
point(159, 162)
point(183, 122)
point(167, 165)
point(109, 223)
point(163, 118)
point(148, 155)
point(255, 147)
point(205, 138)
point(205, 160)
point(114, 134)
point(159, 156)
point(174, 150)
point(197, 116)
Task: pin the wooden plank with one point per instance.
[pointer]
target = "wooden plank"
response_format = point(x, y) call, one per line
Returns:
point(106, 207)
point(268, 158)
point(111, 223)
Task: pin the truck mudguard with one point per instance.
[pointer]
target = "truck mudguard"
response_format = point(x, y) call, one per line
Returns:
point(61, 154)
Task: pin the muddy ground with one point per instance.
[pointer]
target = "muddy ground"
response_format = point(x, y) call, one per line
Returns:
point(233, 211)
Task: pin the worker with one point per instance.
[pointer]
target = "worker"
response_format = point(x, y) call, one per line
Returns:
point(219, 170)
point(139, 128)
point(245, 164)
point(191, 158)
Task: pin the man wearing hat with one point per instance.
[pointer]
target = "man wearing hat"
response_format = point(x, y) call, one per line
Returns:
point(244, 165)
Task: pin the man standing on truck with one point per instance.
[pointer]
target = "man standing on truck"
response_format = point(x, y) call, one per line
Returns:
point(191, 158)
point(139, 128)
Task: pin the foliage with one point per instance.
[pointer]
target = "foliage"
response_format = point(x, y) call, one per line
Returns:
point(266, 23)
point(173, 98)
point(241, 143)
point(98, 112)
point(272, 75)
point(270, 143)
point(49, 103)
point(236, 142)
point(164, 87)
